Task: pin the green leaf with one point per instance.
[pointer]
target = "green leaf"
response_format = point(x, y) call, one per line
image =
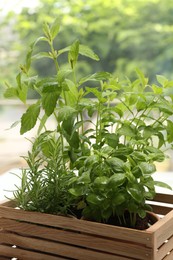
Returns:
point(47, 148)
point(157, 89)
point(54, 29)
point(10, 92)
point(161, 79)
point(84, 178)
point(66, 49)
point(18, 80)
point(162, 184)
point(62, 74)
point(98, 76)
point(164, 106)
point(46, 30)
point(118, 199)
point(106, 211)
point(116, 164)
point(147, 168)
point(65, 112)
point(28, 58)
point(29, 118)
point(154, 154)
point(77, 191)
point(68, 124)
point(127, 130)
point(143, 79)
point(122, 151)
point(101, 180)
point(91, 160)
point(96, 93)
point(118, 110)
point(161, 138)
point(41, 55)
point(142, 213)
point(77, 126)
point(86, 51)
point(148, 131)
point(141, 105)
point(94, 199)
point(71, 95)
point(42, 123)
point(130, 177)
point(134, 190)
point(139, 156)
point(74, 140)
point(50, 95)
point(22, 92)
point(73, 54)
point(169, 131)
point(116, 180)
point(133, 98)
point(112, 139)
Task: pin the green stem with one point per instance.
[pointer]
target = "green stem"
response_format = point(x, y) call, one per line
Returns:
point(98, 125)
point(54, 55)
point(62, 141)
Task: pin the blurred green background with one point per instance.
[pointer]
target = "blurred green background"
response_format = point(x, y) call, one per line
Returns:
point(124, 33)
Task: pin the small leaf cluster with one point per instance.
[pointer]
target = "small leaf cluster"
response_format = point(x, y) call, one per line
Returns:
point(101, 155)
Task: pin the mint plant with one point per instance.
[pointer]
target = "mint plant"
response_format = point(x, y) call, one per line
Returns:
point(100, 157)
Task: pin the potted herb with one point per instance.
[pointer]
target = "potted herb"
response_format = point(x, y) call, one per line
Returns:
point(97, 162)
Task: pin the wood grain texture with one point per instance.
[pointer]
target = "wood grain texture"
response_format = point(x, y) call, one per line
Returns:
point(165, 248)
point(24, 254)
point(167, 198)
point(79, 239)
point(61, 237)
point(77, 225)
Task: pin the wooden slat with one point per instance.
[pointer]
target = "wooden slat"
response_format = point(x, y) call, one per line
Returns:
point(53, 248)
point(167, 198)
point(164, 249)
point(89, 227)
point(111, 238)
point(78, 239)
point(163, 229)
point(8, 203)
point(4, 258)
point(25, 255)
point(169, 256)
point(160, 209)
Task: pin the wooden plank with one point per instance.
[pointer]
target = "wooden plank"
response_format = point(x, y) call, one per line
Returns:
point(169, 256)
point(165, 249)
point(8, 203)
point(162, 229)
point(58, 249)
point(4, 258)
point(138, 236)
point(25, 255)
point(78, 239)
point(158, 209)
point(167, 198)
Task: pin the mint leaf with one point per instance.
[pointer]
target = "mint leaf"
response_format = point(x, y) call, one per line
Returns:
point(29, 118)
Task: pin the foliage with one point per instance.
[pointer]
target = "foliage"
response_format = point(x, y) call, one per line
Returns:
point(101, 155)
point(128, 138)
point(45, 189)
point(125, 34)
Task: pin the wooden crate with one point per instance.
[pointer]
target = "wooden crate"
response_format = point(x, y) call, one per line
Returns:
point(32, 235)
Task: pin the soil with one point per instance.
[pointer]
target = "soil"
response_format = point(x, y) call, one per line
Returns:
point(141, 223)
